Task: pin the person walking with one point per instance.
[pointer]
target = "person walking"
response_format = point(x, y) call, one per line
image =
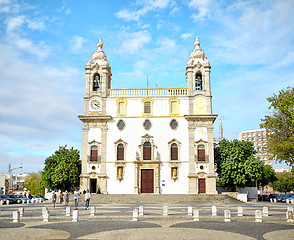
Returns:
point(66, 197)
point(87, 199)
point(76, 198)
point(53, 199)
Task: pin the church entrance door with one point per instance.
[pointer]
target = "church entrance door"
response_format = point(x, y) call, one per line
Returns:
point(147, 181)
point(201, 185)
point(93, 185)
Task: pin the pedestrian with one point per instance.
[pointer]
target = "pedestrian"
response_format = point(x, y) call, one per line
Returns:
point(53, 199)
point(66, 197)
point(61, 197)
point(76, 198)
point(87, 199)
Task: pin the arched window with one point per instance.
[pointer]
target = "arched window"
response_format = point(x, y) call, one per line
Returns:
point(174, 151)
point(147, 151)
point(198, 81)
point(201, 153)
point(94, 153)
point(96, 83)
point(120, 152)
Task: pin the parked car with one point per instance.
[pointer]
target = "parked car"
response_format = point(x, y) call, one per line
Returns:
point(19, 198)
point(287, 197)
point(279, 199)
point(7, 198)
point(37, 198)
point(291, 198)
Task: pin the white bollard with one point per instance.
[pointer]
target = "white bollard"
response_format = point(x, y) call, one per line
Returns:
point(287, 200)
point(67, 211)
point(196, 215)
point(7, 202)
point(15, 216)
point(23, 201)
point(289, 209)
point(141, 211)
point(46, 216)
point(165, 211)
point(213, 211)
point(240, 211)
point(1, 202)
point(44, 209)
point(289, 215)
point(21, 210)
point(265, 211)
point(190, 211)
point(135, 215)
point(227, 214)
point(258, 216)
point(92, 211)
point(75, 215)
point(275, 200)
point(271, 200)
point(292, 201)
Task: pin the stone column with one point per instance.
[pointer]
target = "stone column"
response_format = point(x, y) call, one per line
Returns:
point(103, 175)
point(136, 182)
point(84, 175)
point(211, 177)
point(192, 176)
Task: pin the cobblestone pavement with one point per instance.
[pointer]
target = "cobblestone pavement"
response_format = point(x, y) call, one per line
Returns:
point(114, 221)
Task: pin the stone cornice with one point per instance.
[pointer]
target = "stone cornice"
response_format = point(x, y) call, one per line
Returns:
point(94, 118)
point(201, 117)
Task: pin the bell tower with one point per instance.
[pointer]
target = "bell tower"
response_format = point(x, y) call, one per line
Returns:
point(98, 80)
point(95, 120)
point(198, 81)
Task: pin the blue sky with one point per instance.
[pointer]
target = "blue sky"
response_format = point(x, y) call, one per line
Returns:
point(45, 46)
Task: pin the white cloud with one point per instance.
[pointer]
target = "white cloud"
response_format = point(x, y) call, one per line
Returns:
point(146, 6)
point(202, 7)
point(40, 49)
point(186, 35)
point(15, 23)
point(36, 25)
point(9, 6)
point(77, 43)
point(165, 42)
point(133, 42)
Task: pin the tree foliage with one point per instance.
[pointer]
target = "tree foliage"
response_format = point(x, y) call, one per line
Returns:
point(285, 182)
point(34, 183)
point(280, 126)
point(62, 169)
point(236, 165)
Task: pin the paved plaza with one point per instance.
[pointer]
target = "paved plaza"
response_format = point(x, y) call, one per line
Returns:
point(114, 221)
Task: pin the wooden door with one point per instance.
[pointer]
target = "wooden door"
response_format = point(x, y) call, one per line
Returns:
point(201, 155)
point(93, 185)
point(201, 185)
point(147, 181)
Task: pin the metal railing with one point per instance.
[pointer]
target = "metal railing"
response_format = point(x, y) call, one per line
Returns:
point(89, 160)
point(201, 160)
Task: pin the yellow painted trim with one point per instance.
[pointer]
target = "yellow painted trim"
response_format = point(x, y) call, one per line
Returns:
point(144, 100)
point(124, 112)
point(170, 101)
point(153, 117)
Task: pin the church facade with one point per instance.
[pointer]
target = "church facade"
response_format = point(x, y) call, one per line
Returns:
point(138, 141)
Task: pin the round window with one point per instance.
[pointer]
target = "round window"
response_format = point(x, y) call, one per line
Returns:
point(201, 167)
point(147, 124)
point(93, 168)
point(121, 125)
point(173, 124)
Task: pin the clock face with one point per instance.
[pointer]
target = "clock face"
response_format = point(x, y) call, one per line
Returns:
point(95, 104)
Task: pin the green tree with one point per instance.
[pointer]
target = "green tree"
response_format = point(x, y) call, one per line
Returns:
point(62, 169)
point(269, 176)
point(285, 182)
point(236, 165)
point(34, 183)
point(280, 126)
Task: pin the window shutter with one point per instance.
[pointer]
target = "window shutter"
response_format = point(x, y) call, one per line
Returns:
point(174, 151)
point(147, 151)
point(120, 152)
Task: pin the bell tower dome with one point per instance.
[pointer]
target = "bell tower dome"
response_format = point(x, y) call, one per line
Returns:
point(98, 80)
point(198, 78)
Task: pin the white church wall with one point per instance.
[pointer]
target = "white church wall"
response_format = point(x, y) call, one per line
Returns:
point(201, 133)
point(94, 134)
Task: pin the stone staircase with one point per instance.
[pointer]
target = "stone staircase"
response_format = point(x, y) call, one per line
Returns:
point(158, 198)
